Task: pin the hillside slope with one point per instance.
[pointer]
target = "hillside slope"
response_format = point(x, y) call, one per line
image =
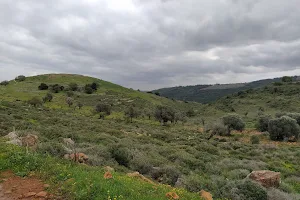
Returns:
point(177, 154)
point(210, 93)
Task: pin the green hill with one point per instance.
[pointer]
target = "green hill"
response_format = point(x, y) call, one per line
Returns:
point(210, 93)
point(178, 154)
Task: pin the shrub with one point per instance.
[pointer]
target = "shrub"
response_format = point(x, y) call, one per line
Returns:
point(282, 128)
point(48, 97)
point(233, 122)
point(35, 101)
point(94, 86)
point(286, 79)
point(88, 89)
point(52, 148)
point(79, 105)
point(131, 112)
point(5, 83)
point(252, 190)
point(295, 116)
point(20, 78)
point(277, 83)
point(56, 88)
point(190, 113)
point(43, 86)
point(164, 114)
point(167, 174)
point(70, 93)
point(218, 128)
point(103, 109)
point(254, 139)
point(262, 124)
point(69, 101)
point(73, 86)
point(121, 155)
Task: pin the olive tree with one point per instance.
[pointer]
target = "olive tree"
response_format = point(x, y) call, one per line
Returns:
point(233, 122)
point(131, 112)
point(103, 109)
point(164, 114)
point(263, 122)
point(20, 78)
point(283, 128)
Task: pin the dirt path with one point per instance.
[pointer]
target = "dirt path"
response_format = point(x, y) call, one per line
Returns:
point(13, 187)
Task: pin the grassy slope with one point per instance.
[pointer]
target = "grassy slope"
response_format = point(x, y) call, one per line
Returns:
point(202, 164)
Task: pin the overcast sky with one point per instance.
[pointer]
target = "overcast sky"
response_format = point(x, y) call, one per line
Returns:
point(149, 44)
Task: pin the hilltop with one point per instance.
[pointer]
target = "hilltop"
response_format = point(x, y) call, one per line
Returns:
point(210, 93)
point(178, 154)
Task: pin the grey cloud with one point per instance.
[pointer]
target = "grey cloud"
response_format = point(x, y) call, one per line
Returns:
point(150, 44)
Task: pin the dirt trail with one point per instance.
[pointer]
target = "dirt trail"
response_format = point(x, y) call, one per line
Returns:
point(13, 187)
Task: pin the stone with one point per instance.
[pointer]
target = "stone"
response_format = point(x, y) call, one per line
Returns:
point(46, 185)
point(68, 141)
point(29, 140)
point(16, 141)
point(109, 169)
point(172, 195)
point(266, 178)
point(206, 195)
point(29, 194)
point(42, 194)
point(11, 135)
point(108, 175)
point(79, 157)
point(140, 176)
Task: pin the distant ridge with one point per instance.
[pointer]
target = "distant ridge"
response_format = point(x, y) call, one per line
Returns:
point(210, 93)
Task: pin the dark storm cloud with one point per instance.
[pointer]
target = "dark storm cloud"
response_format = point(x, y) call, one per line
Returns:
point(151, 44)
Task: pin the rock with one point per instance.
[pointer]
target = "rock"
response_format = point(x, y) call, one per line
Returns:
point(29, 140)
point(79, 157)
point(140, 176)
point(29, 194)
point(46, 185)
point(16, 141)
point(108, 175)
point(69, 141)
point(206, 195)
point(42, 194)
point(11, 135)
point(109, 169)
point(179, 183)
point(172, 195)
point(266, 178)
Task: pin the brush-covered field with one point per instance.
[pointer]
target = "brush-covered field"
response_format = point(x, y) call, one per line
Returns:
point(177, 154)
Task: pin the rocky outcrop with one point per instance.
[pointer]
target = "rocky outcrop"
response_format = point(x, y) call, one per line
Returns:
point(266, 178)
point(205, 195)
point(30, 140)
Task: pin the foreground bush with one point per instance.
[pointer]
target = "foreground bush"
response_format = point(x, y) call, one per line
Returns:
point(283, 128)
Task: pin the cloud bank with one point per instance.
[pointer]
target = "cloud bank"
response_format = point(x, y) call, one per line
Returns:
point(151, 44)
